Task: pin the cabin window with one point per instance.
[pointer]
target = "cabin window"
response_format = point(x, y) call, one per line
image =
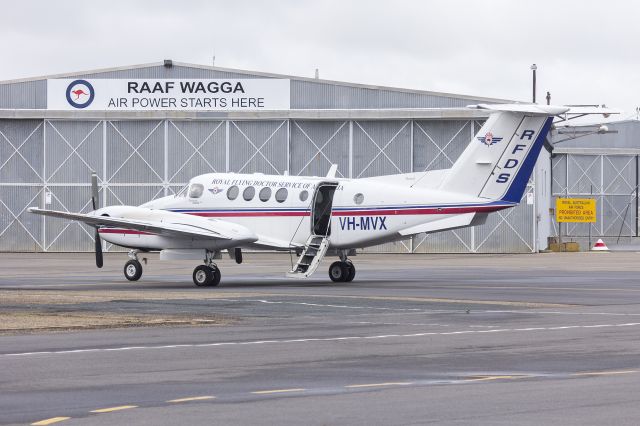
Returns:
point(248, 193)
point(196, 190)
point(358, 198)
point(304, 195)
point(232, 192)
point(281, 195)
point(265, 194)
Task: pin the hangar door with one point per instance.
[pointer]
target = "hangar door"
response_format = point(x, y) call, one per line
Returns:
point(612, 180)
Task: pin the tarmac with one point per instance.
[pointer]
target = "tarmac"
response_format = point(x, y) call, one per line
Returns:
point(414, 339)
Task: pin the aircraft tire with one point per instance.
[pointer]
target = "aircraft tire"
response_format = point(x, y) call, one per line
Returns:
point(216, 277)
point(202, 276)
point(338, 272)
point(352, 271)
point(132, 270)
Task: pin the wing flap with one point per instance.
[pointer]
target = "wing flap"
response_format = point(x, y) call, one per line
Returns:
point(273, 243)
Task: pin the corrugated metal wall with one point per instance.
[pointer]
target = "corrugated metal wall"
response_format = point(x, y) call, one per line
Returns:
point(141, 160)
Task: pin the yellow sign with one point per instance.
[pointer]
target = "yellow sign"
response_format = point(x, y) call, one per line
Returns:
point(575, 210)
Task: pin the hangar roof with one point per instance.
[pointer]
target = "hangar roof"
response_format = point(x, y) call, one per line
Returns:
point(623, 139)
point(306, 93)
point(233, 73)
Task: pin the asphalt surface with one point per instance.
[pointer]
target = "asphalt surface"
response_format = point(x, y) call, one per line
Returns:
point(415, 339)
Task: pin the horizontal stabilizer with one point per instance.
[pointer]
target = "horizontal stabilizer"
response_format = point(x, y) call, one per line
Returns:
point(590, 110)
point(529, 109)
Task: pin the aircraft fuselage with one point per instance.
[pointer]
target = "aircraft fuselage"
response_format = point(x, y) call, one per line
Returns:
point(365, 211)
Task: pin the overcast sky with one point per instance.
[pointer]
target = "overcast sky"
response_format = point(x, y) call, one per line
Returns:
point(586, 51)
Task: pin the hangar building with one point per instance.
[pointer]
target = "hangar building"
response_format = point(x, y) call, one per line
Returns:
point(55, 129)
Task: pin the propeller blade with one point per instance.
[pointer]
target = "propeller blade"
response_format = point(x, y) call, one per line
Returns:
point(94, 190)
point(99, 261)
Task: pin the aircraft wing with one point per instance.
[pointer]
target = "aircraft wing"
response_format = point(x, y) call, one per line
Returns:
point(273, 243)
point(161, 228)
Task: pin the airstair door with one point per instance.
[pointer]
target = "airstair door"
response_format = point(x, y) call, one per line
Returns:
point(321, 208)
point(318, 242)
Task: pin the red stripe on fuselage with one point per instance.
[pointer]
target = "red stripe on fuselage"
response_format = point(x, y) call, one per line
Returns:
point(248, 214)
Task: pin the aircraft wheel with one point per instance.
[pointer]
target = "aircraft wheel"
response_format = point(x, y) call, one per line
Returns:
point(202, 275)
point(352, 271)
point(338, 272)
point(132, 270)
point(205, 276)
point(216, 276)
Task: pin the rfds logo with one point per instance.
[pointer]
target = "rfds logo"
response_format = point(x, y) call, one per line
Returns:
point(216, 190)
point(363, 223)
point(488, 139)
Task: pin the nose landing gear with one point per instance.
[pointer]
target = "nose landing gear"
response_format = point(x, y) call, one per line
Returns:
point(133, 268)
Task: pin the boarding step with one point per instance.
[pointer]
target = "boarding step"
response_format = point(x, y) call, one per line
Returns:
point(314, 250)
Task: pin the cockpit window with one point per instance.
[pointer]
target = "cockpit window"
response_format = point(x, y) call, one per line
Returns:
point(196, 190)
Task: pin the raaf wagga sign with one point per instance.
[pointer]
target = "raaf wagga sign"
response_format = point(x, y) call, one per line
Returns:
point(168, 94)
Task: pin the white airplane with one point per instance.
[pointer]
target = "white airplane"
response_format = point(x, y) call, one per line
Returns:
point(314, 216)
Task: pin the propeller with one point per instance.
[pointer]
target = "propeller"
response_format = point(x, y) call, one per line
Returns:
point(94, 203)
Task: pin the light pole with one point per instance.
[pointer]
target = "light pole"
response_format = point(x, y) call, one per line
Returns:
point(534, 68)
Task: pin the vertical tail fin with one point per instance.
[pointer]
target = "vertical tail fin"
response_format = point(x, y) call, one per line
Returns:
point(499, 160)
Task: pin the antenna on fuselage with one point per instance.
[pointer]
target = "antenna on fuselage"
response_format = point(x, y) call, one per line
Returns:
point(332, 171)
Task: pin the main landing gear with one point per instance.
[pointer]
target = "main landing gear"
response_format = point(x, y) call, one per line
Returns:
point(207, 275)
point(343, 270)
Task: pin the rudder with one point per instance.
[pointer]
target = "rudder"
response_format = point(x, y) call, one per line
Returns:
point(511, 173)
point(499, 160)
